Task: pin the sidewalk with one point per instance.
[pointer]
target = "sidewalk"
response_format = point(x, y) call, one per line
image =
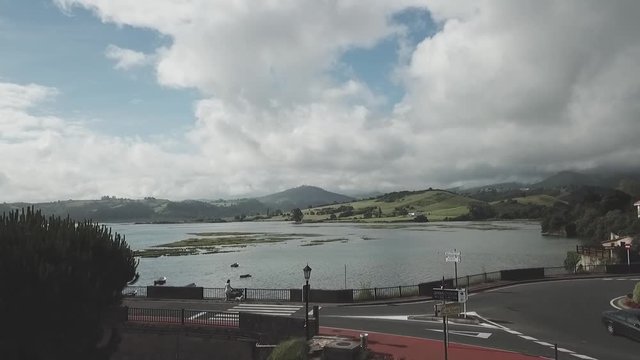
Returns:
point(409, 348)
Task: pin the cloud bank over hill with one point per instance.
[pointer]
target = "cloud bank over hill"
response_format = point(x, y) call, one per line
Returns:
point(502, 91)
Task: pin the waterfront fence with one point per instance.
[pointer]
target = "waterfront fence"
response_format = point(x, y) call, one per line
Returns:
point(378, 293)
point(183, 316)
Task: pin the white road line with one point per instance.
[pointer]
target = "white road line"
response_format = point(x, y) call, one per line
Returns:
point(587, 357)
point(197, 315)
point(480, 335)
point(311, 311)
point(612, 302)
point(544, 343)
point(266, 309)
point(526, 337)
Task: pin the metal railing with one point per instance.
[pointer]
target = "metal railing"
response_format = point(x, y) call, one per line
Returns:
point(183, 316)
point(270, 294)
point(377, 293)
point(385, 292)
point(135, 291)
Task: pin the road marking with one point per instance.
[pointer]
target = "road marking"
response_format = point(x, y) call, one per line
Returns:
point(528, 337)
point(584, 357)
point(612, 302)
point(475, 334)
point(197, 315)
point(379, 317)
point(543, 343)
point(311, 311)
point(266, 309)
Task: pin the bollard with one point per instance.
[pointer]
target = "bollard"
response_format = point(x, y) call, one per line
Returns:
point(363, 341)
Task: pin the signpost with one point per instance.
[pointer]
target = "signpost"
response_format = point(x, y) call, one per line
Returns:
point(448, 309)
point(454, 257)
point(456, 295)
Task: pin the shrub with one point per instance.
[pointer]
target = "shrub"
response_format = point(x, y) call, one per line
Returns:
point(65, 276)
point(636, 293)
point(292, 349)
point(571, 260)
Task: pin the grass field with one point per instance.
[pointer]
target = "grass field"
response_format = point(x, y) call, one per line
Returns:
point(436, 205)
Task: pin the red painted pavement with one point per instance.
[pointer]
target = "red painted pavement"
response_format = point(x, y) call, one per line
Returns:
point(409, 348)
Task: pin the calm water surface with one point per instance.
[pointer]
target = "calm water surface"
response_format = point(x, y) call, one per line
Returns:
point(374, 254)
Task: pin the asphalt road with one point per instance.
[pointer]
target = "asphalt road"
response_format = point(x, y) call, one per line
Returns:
point(525, 318)
point(529, 318)
point(562, 312)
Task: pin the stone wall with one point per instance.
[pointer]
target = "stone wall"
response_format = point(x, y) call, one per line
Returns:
point(165, 342)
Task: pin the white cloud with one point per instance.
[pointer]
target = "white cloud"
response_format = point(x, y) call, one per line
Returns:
point(126, 58)
point(505, 90)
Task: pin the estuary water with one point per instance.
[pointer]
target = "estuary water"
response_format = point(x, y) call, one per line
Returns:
point(374, 254)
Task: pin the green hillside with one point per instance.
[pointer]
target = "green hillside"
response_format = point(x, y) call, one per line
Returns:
point(544, 200)
point(397, 206)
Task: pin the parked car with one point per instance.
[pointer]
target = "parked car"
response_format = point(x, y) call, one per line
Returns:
point(623, 322)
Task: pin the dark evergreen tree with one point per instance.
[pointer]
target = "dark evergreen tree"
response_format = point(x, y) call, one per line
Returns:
point(297, 215)
point(62, 286)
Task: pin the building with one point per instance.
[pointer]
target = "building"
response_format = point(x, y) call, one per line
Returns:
point(637, 205)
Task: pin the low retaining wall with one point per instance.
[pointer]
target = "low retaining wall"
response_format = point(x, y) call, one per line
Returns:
point(144, 342)
point(175, 292)
point(522, 274)
point(323, 295)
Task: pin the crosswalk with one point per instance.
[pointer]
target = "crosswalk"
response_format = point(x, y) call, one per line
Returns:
point(266, 309)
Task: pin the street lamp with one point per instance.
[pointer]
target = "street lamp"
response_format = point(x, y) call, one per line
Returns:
point(307, 275)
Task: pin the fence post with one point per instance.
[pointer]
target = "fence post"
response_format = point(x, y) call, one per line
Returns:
point(182, 316)
point(468, 281)
point(400, 289)
point(485, 277)
point(126, 313)
point(245, 294)
point(375, 293)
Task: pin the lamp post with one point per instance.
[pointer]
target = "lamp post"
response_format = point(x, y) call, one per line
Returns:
point(628, 246)
point(307, 275)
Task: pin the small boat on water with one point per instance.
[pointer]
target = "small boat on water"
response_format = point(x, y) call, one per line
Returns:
point(161, 281)
point(234, 265)
point(245, 276)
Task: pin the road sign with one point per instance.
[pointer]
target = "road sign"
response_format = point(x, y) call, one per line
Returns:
point(452, 256)
point(448, 309)
point(457, 295)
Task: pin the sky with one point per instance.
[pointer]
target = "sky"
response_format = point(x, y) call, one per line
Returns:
point(208, 99)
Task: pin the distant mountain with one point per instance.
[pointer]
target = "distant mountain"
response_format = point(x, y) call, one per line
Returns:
point(569, 180)
point(302, 197)
point(575, 179)
point(147, 210)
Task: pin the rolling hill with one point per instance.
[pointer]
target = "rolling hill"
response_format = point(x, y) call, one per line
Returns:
point(302, 197)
